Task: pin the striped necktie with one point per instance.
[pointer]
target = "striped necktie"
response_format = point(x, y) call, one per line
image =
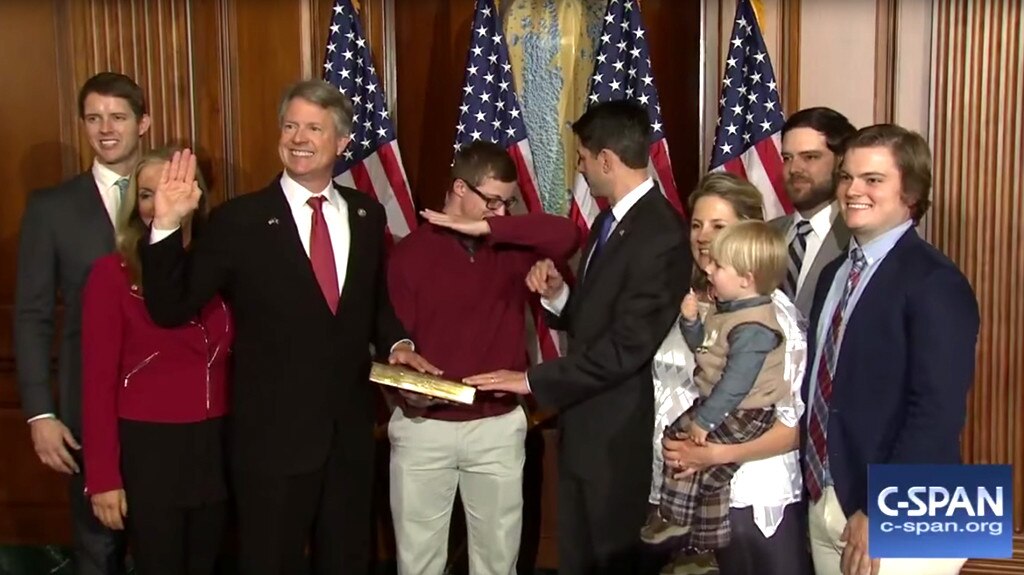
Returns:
point(816, 457)
point(797, 249)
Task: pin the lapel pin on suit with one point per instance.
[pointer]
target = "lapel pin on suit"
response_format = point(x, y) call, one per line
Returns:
point(361, 213)
point(273, 222)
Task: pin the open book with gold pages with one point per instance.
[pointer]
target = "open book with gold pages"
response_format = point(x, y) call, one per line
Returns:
point(409, 379)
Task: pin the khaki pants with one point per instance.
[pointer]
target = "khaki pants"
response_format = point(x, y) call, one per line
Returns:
point(483, 459)
point(826, 522)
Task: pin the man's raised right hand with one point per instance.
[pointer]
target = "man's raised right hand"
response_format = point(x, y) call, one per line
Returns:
point(177, 195)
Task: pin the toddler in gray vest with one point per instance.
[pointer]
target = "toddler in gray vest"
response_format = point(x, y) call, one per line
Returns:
point(739, 350)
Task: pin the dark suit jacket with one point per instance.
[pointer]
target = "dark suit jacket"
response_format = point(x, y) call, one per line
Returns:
point(63, 231)
point(833, 246)
point(905, 366)
point(300, 373)
point(616, 317)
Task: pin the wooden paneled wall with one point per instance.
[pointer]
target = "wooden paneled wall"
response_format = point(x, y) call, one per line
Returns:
point(214, 71)
point(978, 218)
point(32, 502)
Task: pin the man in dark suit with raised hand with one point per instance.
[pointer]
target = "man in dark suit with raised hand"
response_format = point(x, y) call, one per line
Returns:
point(633, 273)
point(812, 146)
point(63, 231)
point(891, 348)
point(301, 265)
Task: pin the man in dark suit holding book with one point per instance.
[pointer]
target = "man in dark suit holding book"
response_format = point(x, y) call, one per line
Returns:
point(301, 265)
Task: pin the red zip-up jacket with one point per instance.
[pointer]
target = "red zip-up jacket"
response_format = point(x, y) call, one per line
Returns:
point(133, 369)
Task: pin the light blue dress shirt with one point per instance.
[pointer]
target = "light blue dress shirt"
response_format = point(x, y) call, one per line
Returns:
point(874, 252)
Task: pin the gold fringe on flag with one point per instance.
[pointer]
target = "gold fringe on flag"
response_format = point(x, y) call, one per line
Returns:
point(759, 12)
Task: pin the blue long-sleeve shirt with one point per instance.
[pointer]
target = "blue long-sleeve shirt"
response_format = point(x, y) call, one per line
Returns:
point(749, 345)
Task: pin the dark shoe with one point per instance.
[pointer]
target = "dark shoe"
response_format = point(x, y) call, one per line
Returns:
point(658, 531)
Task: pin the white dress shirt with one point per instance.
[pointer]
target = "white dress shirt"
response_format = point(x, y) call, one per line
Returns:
point(335, 213)
point(619, 211)
point(821, 225)
point(106, 182)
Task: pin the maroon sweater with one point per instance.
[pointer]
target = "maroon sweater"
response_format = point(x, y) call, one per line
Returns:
point(466, 311)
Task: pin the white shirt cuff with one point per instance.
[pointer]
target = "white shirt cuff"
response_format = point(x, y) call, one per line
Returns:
point(556, 305)
point(157, 235)
point(400, 342)
point(42, 416)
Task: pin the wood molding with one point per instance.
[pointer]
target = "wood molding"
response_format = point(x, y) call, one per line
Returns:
point(978, 156)
point(67, 88)
point(886, 44)
point(790, 47)
point(149, 41)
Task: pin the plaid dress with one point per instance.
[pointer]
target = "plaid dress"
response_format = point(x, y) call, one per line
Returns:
point(701, 500)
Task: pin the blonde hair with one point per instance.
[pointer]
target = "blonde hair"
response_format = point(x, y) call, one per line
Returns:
point(744, 198)
point(740, 194)
point(753, 247)
point(129, 227)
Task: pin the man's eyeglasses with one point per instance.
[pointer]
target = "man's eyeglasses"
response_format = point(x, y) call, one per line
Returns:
point(492, 202)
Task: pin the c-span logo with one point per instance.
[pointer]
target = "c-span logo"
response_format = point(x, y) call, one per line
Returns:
point(933, 511)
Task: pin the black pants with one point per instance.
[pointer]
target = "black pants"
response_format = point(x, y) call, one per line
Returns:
point(175, 483)
point(98, 550)
point(599, 521)
point(176, 541)
point(330, 508)
point(751, 553)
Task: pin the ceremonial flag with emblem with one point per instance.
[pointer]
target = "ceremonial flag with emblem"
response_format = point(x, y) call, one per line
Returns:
point(748, 136)
point(490, 111)
point(371, 163)
point(622, 71)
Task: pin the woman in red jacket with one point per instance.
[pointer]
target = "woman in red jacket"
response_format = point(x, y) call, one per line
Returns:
point(153, 403)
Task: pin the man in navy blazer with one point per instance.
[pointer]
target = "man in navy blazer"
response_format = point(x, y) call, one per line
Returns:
point(892, 338)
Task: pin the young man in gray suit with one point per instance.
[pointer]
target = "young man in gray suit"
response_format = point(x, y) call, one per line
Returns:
point(64, 229)
point(812, 146)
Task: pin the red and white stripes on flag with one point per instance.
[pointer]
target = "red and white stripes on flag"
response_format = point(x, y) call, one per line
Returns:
point(371, 163)
point(622, 71)
point(543, 343)
point(382, 175)
point(490, 111)
point(748, 137)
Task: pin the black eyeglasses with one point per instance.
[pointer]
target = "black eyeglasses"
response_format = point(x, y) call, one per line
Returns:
point(492, 202)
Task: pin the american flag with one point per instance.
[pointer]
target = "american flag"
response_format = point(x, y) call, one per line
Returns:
point(490, 111)
point(371, 163)
point(623, 72)
point(748, 137)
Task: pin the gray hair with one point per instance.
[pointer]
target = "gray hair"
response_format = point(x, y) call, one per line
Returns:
point(324, 95)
